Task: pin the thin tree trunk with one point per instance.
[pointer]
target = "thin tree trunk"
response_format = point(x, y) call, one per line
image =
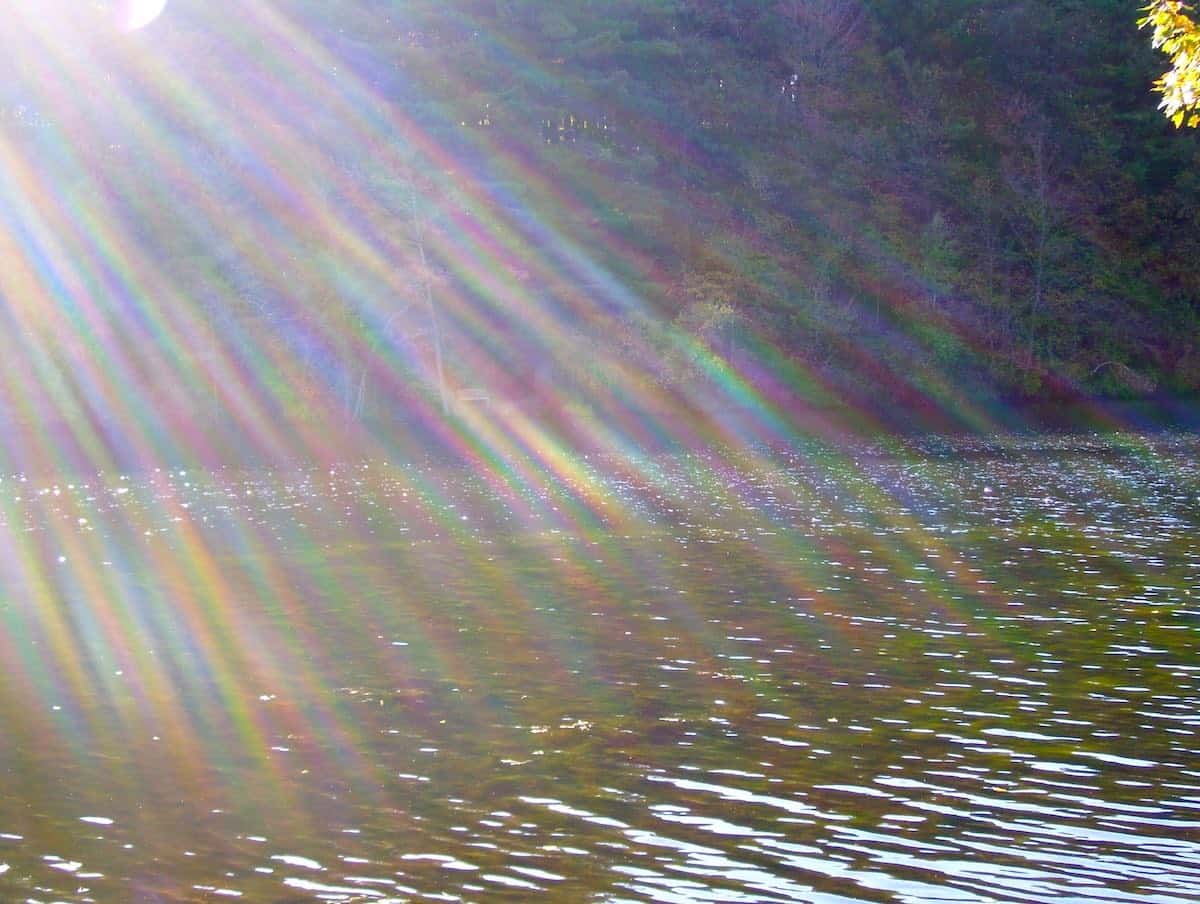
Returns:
point(360, 400)
point(419, 241)
point(210, 366)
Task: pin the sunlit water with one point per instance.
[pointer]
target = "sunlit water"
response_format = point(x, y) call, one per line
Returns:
point(954, 672)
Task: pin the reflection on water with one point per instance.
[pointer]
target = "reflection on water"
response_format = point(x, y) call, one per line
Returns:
point(955, 673)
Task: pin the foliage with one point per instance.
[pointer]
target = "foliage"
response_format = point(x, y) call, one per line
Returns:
point(1177, 35)
point(888, 197)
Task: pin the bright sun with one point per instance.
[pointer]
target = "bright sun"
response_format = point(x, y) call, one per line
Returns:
point(135, 14)
point(64, 22)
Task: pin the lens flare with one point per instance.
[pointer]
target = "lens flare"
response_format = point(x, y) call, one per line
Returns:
point(135, 14)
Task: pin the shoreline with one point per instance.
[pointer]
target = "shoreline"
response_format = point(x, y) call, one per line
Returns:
point(60, 447)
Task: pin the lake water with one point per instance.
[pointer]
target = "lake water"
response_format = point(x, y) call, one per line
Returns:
point(953, 671)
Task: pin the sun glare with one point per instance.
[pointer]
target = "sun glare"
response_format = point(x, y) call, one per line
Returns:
point(135, 14)
point(55, 23)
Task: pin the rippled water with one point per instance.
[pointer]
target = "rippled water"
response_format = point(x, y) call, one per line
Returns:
point(948, 673)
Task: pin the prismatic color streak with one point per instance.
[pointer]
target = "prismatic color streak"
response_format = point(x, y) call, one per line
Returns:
point(200, 642)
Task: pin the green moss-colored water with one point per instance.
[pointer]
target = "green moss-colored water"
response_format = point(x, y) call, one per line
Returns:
point(957, 673)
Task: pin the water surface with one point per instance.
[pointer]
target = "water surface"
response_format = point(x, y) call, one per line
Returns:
point(950, 672)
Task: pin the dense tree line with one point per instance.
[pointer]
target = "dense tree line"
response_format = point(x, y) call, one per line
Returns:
point(370, 204)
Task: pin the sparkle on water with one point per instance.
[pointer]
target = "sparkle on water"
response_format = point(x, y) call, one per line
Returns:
point(956, 673)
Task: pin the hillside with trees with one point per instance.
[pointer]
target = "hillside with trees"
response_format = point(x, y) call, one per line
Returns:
point(330, 209)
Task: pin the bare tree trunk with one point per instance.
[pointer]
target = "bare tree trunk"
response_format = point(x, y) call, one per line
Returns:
point(211, 363)
point(360, 399)
point(822, 36)
point(1033, 216)
point(427, 291)
point(1042, 236)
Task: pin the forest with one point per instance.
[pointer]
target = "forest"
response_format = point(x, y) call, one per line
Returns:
point(312, 210)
